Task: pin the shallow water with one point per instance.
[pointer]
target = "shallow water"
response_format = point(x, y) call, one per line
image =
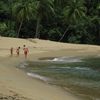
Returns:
point(80, 75)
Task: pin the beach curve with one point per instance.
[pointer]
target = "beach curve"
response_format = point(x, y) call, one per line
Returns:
point(27, 88)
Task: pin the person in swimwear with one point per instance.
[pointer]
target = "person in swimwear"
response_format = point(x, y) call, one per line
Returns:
point(26, 51)
point(18, 51)
point(11, 51)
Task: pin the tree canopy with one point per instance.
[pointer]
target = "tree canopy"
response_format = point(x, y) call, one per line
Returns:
point(74, 21)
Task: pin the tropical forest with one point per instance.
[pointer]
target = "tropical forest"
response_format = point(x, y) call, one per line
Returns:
point(71, 21)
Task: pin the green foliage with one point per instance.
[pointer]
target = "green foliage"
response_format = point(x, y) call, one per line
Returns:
point(76, 21)
point(3, 27)
point(5, 31)
point(10, 33)
point(54, 34)
point(44, 10)
point(74, 11)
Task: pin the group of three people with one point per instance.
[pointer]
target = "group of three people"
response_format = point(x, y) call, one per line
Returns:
point(25, 49)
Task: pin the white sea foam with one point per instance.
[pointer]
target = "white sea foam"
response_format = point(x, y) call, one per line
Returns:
point(38, 76)
point(66, 67)
point(57, 59)
point(23, 65)
point(66, 59)
point(77, 68)
point(82, 68)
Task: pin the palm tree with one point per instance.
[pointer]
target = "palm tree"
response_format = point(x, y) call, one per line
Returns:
point(23, 11)
point(60, 3)
point(44, 9)
point(10, 3)
point(73, 12)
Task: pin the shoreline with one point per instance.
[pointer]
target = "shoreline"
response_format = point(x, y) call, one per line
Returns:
point(39, 84)
point(47, 90)
point(16, 80)
point(45, 79)
point(42, 78)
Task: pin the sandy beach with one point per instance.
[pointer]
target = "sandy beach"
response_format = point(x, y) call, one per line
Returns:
point(16, 85)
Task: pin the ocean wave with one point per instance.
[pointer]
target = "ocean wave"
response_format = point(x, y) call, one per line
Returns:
point(38, 77)
point(77, 68)
point(65, 59)
point(82, 68)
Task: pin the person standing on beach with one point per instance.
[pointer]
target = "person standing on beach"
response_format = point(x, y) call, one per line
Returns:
point(11, 51)
point(26, 51)
point(17, 51)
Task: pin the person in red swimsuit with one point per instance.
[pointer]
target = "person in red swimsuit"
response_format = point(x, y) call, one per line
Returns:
point(26, 51)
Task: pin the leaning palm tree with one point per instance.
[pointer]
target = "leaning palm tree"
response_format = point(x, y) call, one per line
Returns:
point(23, 11)
point(44, 9)
point(73, 12)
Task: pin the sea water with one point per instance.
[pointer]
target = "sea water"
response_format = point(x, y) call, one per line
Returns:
point(81, 76)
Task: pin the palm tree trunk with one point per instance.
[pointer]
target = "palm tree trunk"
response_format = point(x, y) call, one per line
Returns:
point(10, 8)
point(37, 28)
point(19, 28)
point(64, 33)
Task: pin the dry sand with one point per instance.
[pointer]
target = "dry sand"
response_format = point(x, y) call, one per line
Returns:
point(16, 85)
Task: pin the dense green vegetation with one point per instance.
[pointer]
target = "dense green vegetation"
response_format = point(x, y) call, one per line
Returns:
point(75, 21)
